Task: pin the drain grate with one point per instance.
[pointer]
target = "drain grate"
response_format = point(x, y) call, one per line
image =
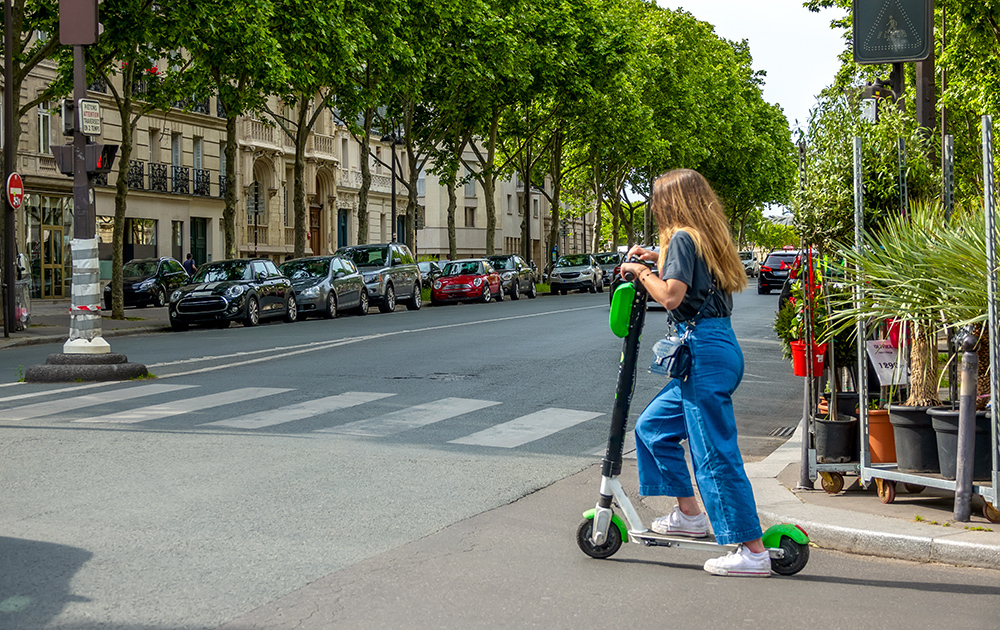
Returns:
point(783, 432)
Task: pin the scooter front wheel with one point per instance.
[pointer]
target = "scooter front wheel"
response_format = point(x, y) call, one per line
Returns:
point(796, 557)
point(586, 543)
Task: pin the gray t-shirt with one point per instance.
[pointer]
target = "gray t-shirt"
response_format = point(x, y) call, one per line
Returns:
point(683, 263)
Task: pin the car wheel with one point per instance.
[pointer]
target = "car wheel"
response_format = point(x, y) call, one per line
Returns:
point(600, 287)
point(291, 310)
point(414, 303)
point(562, 291)
point(388, 305)
point(331, 305)
point(500, 293)
point(532, 292)
point(553, 291)
point(592, 289)
point(177, 326)
point(252, 317)
point(515, 290)
point(363, 305)
point(487, 294)
point(763, 291)
point(159, 299)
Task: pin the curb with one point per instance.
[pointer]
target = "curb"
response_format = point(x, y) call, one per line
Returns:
point(41, 339)
point(860, 533)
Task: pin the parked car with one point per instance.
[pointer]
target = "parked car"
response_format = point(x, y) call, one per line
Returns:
point(390, 274)
point(750, 264)
point(616, 277)
point(430, 270)
point(774, 271)
point(467, 280)
point(608, 262)
point(242, 289)
point(516, 276)
point(326, 285)
point(148, 281)
point(576, 271)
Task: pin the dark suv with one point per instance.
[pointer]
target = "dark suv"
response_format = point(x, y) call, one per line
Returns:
point(775, 270)
point(148, 281)
point(516, 276)
point(390, 273)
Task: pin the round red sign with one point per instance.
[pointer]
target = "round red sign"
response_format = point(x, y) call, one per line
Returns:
point(15, 191)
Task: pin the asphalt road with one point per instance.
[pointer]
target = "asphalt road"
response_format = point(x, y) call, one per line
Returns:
point(263, 460)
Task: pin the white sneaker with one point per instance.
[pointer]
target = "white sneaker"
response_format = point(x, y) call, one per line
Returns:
point(680, 524)
point(741, 562)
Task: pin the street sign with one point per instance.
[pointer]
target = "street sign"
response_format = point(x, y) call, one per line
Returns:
point(893, 31)
point(89, 115)
point(15, 191)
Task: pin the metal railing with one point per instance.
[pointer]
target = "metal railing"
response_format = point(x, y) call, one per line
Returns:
point(181, 180)
point(136, 174)
point(202, 182)
point(223, 183)
point(158, 177)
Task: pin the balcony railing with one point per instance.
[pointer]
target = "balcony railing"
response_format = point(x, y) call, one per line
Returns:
point(223, 183)
point(322, 146)
point(200, 107)
point(258, 131)
point(202, 182)
point(220, 111)
point(158, 177)
point(181, 180)
point(101, 179)
point(99, 85)
point(350, 179)
point(136, 174)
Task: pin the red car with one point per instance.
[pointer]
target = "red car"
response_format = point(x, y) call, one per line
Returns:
point(466, 280)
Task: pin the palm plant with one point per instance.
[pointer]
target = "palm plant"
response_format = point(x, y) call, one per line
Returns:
point(926, 272)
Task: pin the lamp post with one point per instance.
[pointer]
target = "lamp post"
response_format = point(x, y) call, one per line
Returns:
point(393, 141)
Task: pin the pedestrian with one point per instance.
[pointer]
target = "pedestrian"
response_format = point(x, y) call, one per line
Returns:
point(189, 265)
point(699, 269)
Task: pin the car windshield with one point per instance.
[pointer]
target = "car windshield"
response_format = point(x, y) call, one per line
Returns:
point(367, 256)
point(303, 269)
point(140, 268)
point(424, 266)
point(462, 269)
point(502, 262)
point(779, 261)
point(607, 259)
point(746, 255)
point(223, 271)
point(573, 261)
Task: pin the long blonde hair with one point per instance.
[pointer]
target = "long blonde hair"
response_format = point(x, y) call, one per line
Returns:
point(684, 200)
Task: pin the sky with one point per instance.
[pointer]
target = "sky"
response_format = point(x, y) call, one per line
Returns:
point(796, 48)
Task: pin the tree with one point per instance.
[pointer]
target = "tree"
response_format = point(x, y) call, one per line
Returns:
point(235, 54)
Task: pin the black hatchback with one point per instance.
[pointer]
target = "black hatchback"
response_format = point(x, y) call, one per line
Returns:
point(242, 289)
point(148, 281)
point(775, 270)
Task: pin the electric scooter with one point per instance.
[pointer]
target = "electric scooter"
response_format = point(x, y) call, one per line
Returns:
point(602, 531)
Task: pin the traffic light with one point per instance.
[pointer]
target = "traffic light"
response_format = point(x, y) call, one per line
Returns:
point(100, 158)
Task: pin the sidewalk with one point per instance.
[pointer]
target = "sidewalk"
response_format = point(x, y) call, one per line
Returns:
point(50, 323)
point(915, 527)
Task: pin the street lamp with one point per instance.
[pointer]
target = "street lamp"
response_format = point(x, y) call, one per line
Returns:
point(394, 142)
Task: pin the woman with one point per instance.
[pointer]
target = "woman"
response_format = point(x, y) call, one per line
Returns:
point(699, 269)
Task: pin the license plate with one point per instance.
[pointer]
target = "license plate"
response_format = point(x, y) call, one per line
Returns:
point(780, 274)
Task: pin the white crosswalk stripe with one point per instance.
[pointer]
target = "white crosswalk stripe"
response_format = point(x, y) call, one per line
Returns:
point(299, 411)
point(411, 417)
point(187, 405)
point(55, 407)
point(527, 428)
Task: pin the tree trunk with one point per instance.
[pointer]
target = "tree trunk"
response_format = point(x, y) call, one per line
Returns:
point(298, 175)
point(598, 215)
point(366, 178)
point(129, 122)
point(229, 211)
point(923, 367)
point(555, 212)
point(490, 186)
point(452, 204)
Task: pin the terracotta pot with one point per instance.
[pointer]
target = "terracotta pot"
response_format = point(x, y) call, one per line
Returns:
point(881, 439)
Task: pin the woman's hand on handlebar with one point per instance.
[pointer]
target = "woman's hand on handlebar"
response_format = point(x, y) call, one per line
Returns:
point(631, 270)
point(642, 254)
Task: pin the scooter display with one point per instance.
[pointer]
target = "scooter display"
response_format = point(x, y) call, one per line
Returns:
point(603, 531)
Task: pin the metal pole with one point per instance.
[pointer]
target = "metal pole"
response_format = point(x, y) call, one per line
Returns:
point(805, 481)
point(392, 229)
point(989, 203)
point(9, 250)
point(861, 333)
point(966, 428)
point(904, 197)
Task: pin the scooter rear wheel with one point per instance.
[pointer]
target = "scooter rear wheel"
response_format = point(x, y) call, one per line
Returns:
point(796, 557)
point(608, 549)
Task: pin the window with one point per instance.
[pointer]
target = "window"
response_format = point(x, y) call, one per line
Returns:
point(345, 156)
point(142, 232)
point(534, 208)
point(255, 205)
point(378, 160)
point(222, 159)
point(198, 152)
point(288, 205)
point(470, 185)
point(175, 149)
point(154, 145)
point(421, 183)
point(44, 128)
point(470, 217)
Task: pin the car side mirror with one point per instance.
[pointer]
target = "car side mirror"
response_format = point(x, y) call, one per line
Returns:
point(261, 275)
point(397, 261)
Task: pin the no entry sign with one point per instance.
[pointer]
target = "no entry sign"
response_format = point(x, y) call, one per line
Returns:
point(15, 191)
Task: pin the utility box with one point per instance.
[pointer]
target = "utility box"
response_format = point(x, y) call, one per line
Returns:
point(78, 22)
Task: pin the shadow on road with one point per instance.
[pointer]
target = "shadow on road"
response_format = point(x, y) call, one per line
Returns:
point(35, 581)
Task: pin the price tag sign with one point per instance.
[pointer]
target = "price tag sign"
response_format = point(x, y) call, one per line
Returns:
point(889, 366)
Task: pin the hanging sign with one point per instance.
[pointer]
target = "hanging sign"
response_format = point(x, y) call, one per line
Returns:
point(889, 366)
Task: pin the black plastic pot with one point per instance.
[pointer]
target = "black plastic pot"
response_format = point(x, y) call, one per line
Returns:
point(836, 440)
point(916, 442)
point(945, 423)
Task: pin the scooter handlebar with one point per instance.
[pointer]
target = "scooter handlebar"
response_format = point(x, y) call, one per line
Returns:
point(628, 276)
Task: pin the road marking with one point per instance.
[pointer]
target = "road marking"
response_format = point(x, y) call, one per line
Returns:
point(411, 417)
point(55, 392)
point(178, 407)
point(53, 407)
point(299, 411)
point(529, 428)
